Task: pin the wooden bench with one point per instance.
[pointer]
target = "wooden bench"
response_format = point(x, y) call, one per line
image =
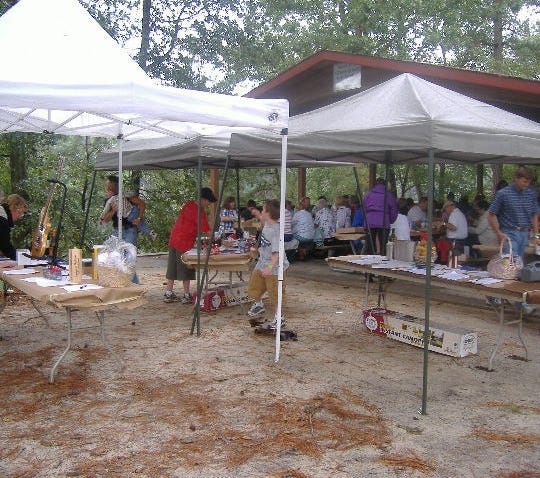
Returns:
point(344, 247)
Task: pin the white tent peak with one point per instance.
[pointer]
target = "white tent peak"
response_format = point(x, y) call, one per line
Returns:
point(408, 116)
point(59, 44)
point(404, 99)
point(61, 72)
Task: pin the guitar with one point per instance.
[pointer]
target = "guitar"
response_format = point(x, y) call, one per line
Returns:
point(39, 242)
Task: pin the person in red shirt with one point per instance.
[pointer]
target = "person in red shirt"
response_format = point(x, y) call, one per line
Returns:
point(182, 239)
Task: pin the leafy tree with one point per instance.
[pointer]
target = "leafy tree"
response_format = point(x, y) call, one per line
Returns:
point(218, 45)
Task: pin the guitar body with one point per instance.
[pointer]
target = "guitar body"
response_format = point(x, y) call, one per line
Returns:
point(39, 242)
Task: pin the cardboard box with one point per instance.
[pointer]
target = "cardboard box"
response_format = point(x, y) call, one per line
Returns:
point(444, 339)
point(223, 296)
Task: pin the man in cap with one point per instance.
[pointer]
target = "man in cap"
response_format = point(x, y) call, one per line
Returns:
point(182, 239)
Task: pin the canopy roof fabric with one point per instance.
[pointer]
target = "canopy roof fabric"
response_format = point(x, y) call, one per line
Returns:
point(173, 153)
point(62, 73)
point(408, 116)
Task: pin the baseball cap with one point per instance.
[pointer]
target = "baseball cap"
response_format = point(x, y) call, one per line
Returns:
point(448, 203)
point(206, 193)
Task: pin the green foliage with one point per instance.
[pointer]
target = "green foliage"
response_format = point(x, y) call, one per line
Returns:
point(164, 191)
point(332, 182)
point(5, 5)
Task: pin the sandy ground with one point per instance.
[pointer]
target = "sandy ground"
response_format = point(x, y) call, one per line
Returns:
point(339, 403)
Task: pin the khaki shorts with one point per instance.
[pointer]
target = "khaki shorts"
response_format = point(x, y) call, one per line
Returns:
point(176, 269)
point(258, 285)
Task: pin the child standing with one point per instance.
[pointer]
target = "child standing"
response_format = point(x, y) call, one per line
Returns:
point(264, 277)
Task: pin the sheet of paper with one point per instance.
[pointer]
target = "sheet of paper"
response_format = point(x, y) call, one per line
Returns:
point(486, 281)
point(40, 281)
point(20, 271)
point(454, 275)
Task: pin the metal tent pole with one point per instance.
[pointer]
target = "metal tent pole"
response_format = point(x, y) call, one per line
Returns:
point(362, 205)
point(202, 280)
point(86, 216)
point(427, 299)
point(283, 187)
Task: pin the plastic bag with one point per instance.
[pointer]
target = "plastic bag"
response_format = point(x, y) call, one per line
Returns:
point(116, 263)
point(505, 266)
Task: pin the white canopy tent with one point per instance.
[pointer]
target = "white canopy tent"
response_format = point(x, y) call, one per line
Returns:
point(405, 119)
point(61, 73)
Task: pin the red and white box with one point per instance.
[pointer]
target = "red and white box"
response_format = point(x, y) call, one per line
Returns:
point(444, 339)
point(224, 296)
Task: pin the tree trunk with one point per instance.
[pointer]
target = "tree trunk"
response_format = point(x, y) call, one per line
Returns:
point(136, 176)
point(498, 30)
point(497, 175)
point(442, 183)
point(145, 34)
point(480, 179)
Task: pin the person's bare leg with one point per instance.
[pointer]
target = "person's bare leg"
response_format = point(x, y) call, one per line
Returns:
point(186, 286)
point(170, 285)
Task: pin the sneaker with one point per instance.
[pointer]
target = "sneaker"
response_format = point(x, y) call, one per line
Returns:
point(273, 325)
point(153, 235)
point(256, 309)
point(187, 299)
point(257, 321)
point(493, 300)
point(170, 297)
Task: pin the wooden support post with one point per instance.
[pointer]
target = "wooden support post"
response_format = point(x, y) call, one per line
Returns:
point(372, 175)
point(480, 179)
point(301, 183)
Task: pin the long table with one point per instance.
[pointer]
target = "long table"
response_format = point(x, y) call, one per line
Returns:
point(508, 290)
point(83, 299)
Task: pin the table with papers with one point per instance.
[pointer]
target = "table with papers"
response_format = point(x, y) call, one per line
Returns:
point(457, 280)
point(86, 296)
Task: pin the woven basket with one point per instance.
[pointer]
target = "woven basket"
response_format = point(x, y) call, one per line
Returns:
point(505, 266)
point(112, 277)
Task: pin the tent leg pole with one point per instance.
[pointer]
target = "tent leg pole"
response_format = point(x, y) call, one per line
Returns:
point(427, 299)
point(86, 216)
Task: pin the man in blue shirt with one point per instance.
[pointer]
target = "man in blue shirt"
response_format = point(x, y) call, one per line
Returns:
point(514, 212)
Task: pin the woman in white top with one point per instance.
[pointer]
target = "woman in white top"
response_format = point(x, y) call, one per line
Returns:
point(342, 213)
point(324, 219)
point(228, 215)
point(303, 227)
point(483, 230)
